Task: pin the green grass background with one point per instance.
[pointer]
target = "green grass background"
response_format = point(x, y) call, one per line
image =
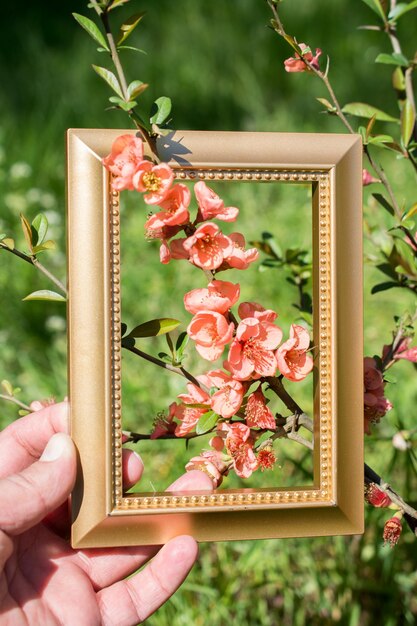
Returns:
point(222, 67)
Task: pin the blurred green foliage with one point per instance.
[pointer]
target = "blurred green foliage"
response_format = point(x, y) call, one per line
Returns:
point(223, 69)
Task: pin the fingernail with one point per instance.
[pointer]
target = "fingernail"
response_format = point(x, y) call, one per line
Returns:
point(55, 447)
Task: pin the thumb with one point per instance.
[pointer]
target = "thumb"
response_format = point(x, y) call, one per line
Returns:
point(26, 498)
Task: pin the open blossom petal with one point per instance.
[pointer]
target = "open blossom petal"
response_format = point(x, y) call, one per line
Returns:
point(229, 397)
point(296, 64)
point(164, 425)
point(154, 180)
point(208, 247)
point(210, 205)
point(240, 447)
point(257, 414)
point(219, 296)
point(211, 462)
point(123, 161)
point(251, 352)
point(188, 416)
point(292, 358)
point(375, 403)
point(253, 309)
point(211, 332)
point(238, 257)
point(195, 395)
point(175, 208)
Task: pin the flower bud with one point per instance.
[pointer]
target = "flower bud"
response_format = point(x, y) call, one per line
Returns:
point(375, 496)
point(392, 529)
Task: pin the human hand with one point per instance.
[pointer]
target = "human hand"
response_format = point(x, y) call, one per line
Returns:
point(42, 579)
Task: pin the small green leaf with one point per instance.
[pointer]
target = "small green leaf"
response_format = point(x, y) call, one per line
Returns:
point(384, 203)
point(376, 139)
point(401, 9)
point(46, 245)
point(411, 212)
point(376, 6)
point(384, 286)
point(110, 79)
point(131, 48)
point(27, 231)
point(40, 225)
point(408, 119)
point(136, 88)
point(7, 387)
point(398, 80)
point(123, 328)
point(161, 109)
point(117, 3)
point(22, 412)
point(154, 327)
point(9, 242)
point(329, 106)
point(392, 59)
point(45, 294)
point(92, 29)
point(181, 344)
point(206, 422)
point(361, 109)
point(128, 342)
point(129, 26)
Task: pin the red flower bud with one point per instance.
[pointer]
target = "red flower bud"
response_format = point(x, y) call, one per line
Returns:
point(392, 530)
point(375, 496)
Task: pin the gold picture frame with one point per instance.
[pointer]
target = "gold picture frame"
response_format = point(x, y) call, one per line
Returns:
point(102, 514)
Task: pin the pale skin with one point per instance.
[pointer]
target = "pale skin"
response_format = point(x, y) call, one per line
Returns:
point(42, 580)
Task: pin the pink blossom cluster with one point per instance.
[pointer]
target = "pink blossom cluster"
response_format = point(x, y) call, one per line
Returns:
point(254, 354)
point(375, 403)
point(297, 64)
point(205, 245)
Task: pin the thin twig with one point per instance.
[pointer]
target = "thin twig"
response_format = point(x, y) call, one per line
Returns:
point(167, 366)
point(32, 260)
point(14, 400)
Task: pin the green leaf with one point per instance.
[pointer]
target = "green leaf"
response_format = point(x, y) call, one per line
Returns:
point(23, 412)
point(161, 109)
point(361, 109)
point(181, 344)
point(9, 242)
point(392, 59)
point(27, 231)
point(154, 327)
point(123, 328)
point(131, 48)
point(7, 387)
point(206, 422)
point(40, 226)
point(384, 286)
point(136, 88)
point(110, 79)
point(128, 342)
point(46, 245)
point(117, 3)
point(408, 119)
point(45, 294)
point(384, 203)
point(411, 212)
point(401, 9)
point(376, 139)
point(398, 80)
point(376, 6)
point(129, 26)
point(92, 29)
point(329, 106)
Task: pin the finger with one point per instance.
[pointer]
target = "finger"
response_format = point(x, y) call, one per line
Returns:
point(23, 441)
point(26, 498)
point(105, 567)
point(59, 520)
point(128, 602)
point(132, 468)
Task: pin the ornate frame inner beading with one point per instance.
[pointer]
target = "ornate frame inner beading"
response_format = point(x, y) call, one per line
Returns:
point(103, 515)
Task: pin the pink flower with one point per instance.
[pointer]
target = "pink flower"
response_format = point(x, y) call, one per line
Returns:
point(175, 211)
point(210, 462)
point(154, 180)
point(251, 352)
point(375, 496)
point(257, 414)
point(238, 257)
point(123, 161)
point(165, 425)
point(228, 399)
point(219, 296)
point(266, 458)
point(239, 445)
point(368, 179)
point(402, 351)
point(195, 395)
point(208, 247)
point(211, 332)
point(375, 404)
point(210, 205)
point(296, 64)
point(188, 416)
point(253, 309)
point(292, 358)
